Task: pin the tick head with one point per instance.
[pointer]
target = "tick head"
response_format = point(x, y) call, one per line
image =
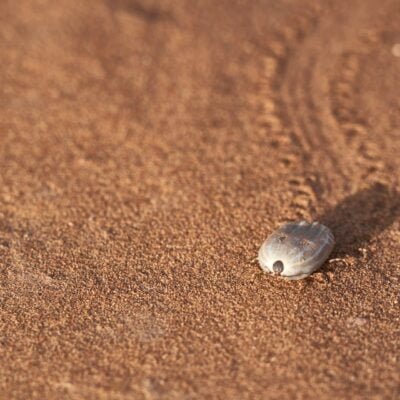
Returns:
point(277, 267)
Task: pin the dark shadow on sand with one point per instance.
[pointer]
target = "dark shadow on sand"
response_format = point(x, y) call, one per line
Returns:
point(357, 219)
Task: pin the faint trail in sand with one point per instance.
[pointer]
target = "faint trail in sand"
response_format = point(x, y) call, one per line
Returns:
point(308, 107)
point(317, 83)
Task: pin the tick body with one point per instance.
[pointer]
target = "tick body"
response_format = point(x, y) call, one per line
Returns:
point(296, 250)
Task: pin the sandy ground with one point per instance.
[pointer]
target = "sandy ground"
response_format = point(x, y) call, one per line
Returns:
point(147, 148)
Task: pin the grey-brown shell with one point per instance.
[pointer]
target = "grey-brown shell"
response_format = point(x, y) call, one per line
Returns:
point(296, 249)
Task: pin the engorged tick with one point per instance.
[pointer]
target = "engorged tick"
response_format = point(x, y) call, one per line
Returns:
point(296, 249)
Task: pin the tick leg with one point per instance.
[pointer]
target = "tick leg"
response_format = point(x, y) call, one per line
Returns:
point(296, 277)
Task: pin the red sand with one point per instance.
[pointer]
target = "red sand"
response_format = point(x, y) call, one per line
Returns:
point(147, 148)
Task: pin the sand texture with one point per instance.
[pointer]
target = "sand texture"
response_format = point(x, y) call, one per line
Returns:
point(147, 148)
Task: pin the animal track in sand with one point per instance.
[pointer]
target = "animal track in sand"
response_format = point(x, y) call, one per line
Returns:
point(345, 89)
point(310, 93)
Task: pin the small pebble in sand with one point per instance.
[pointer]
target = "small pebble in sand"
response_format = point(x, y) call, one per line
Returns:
point(396, 50)
point(296, 249)
point(356, 321)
